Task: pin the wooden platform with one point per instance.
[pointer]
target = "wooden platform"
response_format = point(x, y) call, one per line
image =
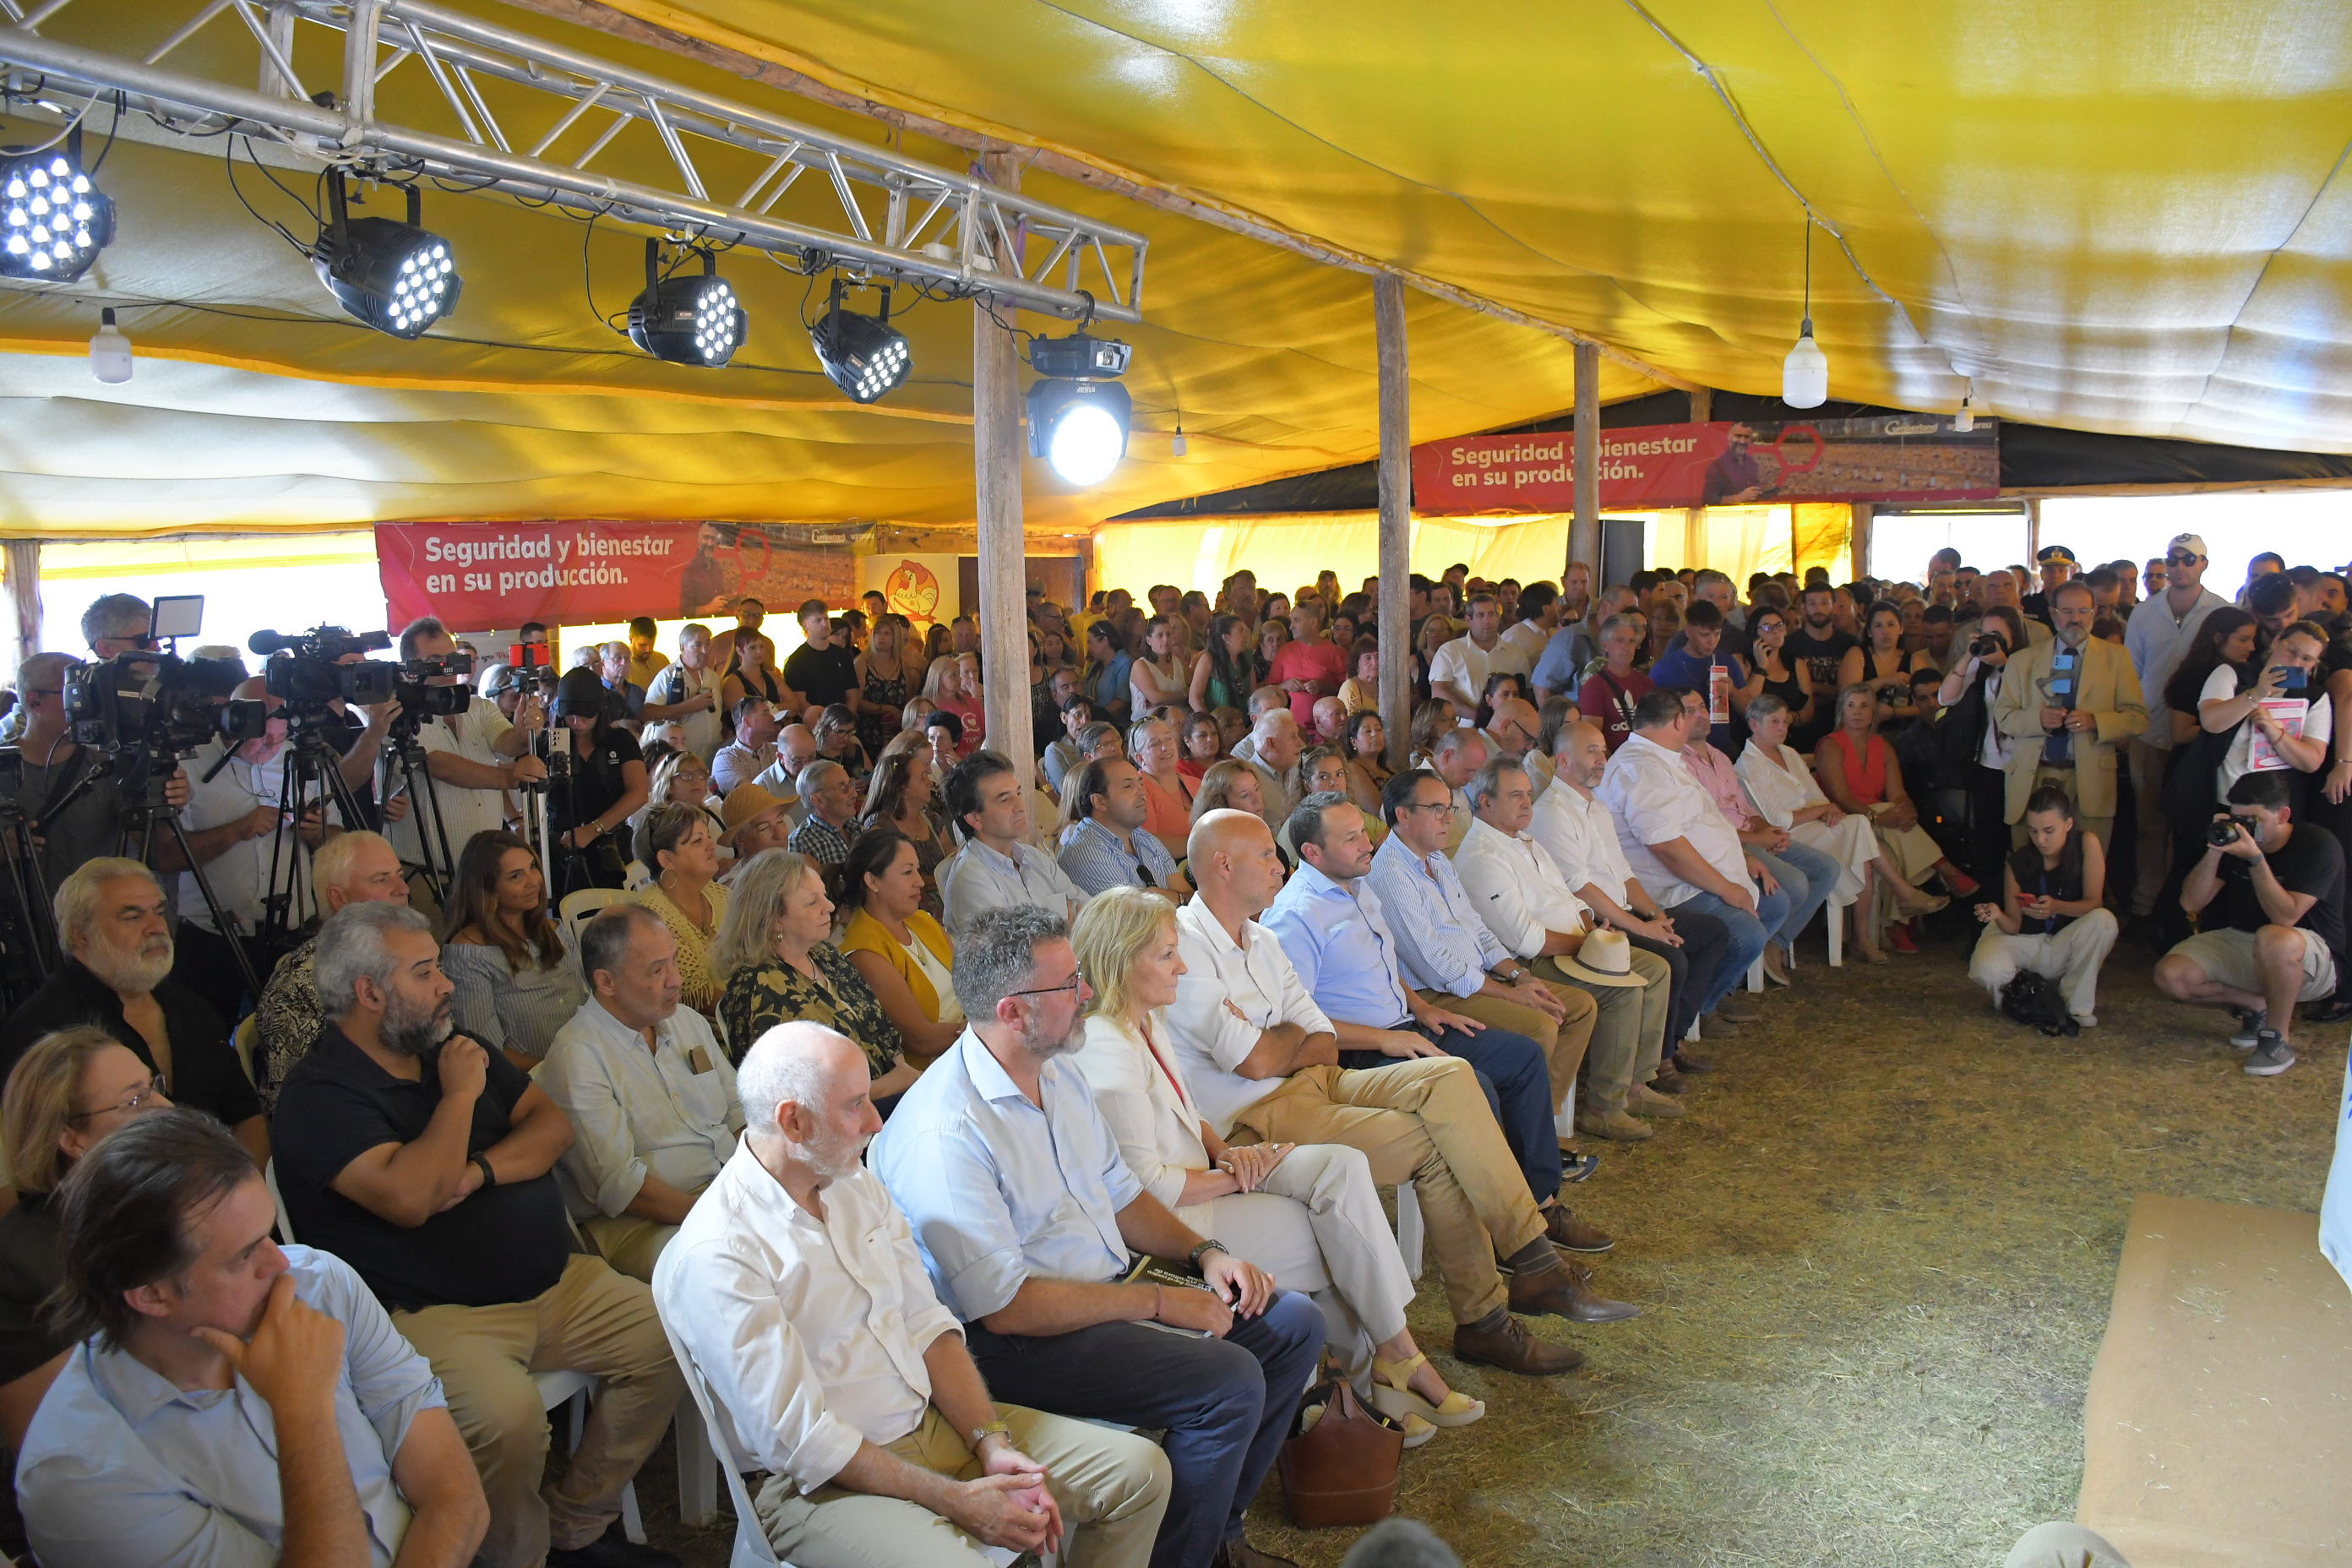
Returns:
point(2217, 1428)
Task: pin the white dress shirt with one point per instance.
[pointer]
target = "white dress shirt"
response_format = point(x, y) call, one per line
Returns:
point(238, 875)
point(1230, 995)
point(464, 812)
point(1465, 663)
point(811, 1332)
point(1780, 792)
point(1581, 836)
point(978, 878)
point(1143, 1096)
point(1517, 648)
point(1654, 799)
point(1517, 888)
point(670, 1111)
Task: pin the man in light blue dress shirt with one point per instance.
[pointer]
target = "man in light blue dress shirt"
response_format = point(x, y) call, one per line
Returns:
point(997, 869)
point(234, 1403)
point(1026, 1217)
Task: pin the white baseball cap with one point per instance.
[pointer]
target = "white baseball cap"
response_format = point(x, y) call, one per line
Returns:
point(2193, 542)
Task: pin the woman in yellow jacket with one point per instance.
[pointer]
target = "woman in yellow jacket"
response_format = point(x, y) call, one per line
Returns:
point(905, 955)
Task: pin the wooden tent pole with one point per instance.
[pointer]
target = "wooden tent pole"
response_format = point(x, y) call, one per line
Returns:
point(1584, 533)
point(996, 490)
point(1396, 515)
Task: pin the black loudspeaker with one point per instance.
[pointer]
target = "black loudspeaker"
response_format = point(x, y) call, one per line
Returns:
point(1621, 549)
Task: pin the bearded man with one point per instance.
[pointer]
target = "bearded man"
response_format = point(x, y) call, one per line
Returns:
point(425, 1162)
point(115, 929)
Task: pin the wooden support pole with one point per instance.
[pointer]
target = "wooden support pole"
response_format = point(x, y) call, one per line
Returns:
point(1396, 516)
point(1584, 533)
point(1858, 542)
point(996, 438)
point(1702, 409)
point(24, 557)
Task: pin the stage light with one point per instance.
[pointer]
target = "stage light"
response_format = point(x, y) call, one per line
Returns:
point(1077, 415)
point(110, 350)
point(53, 221)
point(396, 277)
point(692, 319)
point(863, 355)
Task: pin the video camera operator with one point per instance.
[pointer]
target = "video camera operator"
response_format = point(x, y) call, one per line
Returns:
point(596, 781)
point(72, 822)
point(473, 754)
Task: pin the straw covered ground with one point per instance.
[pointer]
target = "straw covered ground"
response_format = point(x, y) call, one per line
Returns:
point(1875, 1264)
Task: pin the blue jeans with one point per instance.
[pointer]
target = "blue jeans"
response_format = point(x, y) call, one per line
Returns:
point(1226, 1404)
point(1748, 934)
point(1808, 877)
point(1518, 1083)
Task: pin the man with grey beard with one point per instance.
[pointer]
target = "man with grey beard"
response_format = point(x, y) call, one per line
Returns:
point(115, 929)
point(425, 1162)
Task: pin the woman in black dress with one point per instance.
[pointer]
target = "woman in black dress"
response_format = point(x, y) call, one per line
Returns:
point(1789, 680)
point(606, 785)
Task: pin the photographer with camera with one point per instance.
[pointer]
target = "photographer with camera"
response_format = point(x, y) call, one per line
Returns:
point(472, 756)
point(596, 781)
point(2275, 935)
point(68, 794)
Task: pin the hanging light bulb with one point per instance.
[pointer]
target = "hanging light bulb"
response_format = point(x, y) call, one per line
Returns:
point(1805, 374)
point(1178, 446)
point(1966, 419)
point(110, 350)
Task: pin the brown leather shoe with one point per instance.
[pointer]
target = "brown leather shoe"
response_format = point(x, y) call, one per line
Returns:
point(1501, 1340)
point(1644, 1100)
point(1615, 1126)
point(1666, 1080)
point(1563, 1294)
point(1239, 1553)
point(1732, 1012)
point(1686, 1060)
point(1568, 1231)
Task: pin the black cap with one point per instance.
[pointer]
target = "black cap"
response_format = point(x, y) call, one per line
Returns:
point(580, 693)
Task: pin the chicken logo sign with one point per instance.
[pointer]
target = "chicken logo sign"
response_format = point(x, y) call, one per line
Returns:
point(912, 591)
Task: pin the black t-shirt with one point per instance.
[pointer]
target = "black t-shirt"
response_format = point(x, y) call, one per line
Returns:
point(205, 1074)
point(597, 783)
point(1822, 656)
point(2311, 861)
point(825, 679)
point(507, 1243)
point(2035, 879)
point(30, 1270)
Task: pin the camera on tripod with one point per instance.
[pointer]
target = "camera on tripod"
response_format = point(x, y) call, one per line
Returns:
point(425, 687)
point(145, 705)
point(312, 675)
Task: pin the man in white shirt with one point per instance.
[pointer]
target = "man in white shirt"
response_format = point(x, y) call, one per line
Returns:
point(1265, 699)
point(1524, 640)
point(1521, 893)
point(1577, 831)
point(2162, 629)
point(795, 1287)
point(1263, 1060)
point(1458, 671)
point(648, 1088)
point(1274, 755)
point(998, 867)
point(1679, 842)
point(473, 757)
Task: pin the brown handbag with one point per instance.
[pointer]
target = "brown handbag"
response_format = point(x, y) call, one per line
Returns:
point(1342, 1469)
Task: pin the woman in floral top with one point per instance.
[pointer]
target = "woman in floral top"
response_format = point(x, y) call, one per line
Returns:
point(780, 967)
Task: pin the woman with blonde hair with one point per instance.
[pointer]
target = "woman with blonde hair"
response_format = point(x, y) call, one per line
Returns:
point(69, 1090)
point(677, 845)
point(1168, 791)
point(1309, 1215)
point(682, 778)
point(1229, 785)
point(774, 949)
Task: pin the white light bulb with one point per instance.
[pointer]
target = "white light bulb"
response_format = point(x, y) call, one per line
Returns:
point(109, 352)
point(1966, 419)
point(1805, 374)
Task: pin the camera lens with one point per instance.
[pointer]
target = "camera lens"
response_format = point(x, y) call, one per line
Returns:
point(2221, 834)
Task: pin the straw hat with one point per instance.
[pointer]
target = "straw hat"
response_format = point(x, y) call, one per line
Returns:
point(746, 801)
point(1605, 959)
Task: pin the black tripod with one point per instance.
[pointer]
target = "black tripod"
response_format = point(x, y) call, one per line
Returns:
point(403, 754)
point(311, 779)
point(27, 926)
point(143, 788)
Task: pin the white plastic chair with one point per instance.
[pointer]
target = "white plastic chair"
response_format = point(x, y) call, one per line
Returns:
point(580, 907)
point(1833, 915)
point(1409, 1236)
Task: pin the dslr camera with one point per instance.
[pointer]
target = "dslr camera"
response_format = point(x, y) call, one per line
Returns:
point(307, 673)
point(2222, 832)
point(419, 698)
point(1980, 647)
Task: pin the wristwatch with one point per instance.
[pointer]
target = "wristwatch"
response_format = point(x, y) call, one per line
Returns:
point(1213, 1244)
point(993, 1429)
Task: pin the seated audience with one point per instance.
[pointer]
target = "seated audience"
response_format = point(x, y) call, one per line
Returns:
point(1857, 771)
point(753, 749)
point(754, 820)
point(231, 1401)
point(649, 1094)
point(903, 796)
point(115, 929)
point(796, 1288)
point(1612, 693)
point(905, 954)
point(1804, 875)
point(1366, 742)
point(1275, 746)
point(1692, 661)
point(427, 1163)
point(1205, 745)
point(348, 868)
point(997, 868)
point(1025, 1216)
point(1339, 943)
point(1523, 897)
point(516, 983)
point(2061, 928)
point(1078, 715)
point(682, 778)
point(2269, 896)
point(687, 896)
point(1104, 843)
point(830, 796)
point(776, 949)
point(1168, 789)
point(72, 1089)
point(1309, 1214)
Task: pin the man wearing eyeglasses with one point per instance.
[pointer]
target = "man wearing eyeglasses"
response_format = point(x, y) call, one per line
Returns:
point(2160, 631)
point(116, 624)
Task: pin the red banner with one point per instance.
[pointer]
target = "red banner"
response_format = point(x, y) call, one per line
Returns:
point(1886, 458)
point(476, 576)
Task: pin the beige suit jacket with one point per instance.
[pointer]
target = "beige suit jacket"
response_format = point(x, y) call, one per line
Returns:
point(2108, 689)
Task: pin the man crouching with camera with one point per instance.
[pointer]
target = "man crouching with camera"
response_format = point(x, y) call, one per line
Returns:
point(473, 754)
point(2272, 898)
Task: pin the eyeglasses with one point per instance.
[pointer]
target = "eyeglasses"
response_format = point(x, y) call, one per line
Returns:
point(1078, 979)
point(137, 1098)
point(1442, 807)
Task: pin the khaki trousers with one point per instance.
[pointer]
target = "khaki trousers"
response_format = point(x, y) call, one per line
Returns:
point(1563, 1042)
point(593, 1321)
point(1112, 1488)
point(1628, 1032)
point(2155, 859)
point(630, 1245)
point(1423, 1120)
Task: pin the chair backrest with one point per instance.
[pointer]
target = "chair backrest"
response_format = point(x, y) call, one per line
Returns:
point(582, 906)
point(247, 1036)
point(269, 1179)
point(752, 1548)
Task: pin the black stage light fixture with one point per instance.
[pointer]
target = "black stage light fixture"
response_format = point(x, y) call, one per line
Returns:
point(53, 221)
point(396, 277)
point(689, 320)
point(863, 355)
point(1077, 414)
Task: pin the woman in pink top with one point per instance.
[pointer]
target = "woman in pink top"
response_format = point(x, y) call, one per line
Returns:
point(1310, 665)
point(959, 694)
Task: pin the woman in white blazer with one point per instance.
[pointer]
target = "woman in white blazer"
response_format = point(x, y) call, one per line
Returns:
point(1309, 1215)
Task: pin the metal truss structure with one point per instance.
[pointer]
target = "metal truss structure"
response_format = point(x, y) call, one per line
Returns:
point(888, 217)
